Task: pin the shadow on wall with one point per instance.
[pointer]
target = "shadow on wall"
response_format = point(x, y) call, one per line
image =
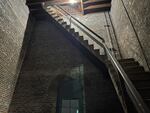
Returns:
point(26, 40)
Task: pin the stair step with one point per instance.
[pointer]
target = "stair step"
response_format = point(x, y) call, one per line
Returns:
point(81, 38)
point(132, 63)
point(126, 60)
point(50, 10)
point(61, 22)
point(76, 34)
point(64, 23)
point(133, 69)
point(67, 26)
point(56, 16)
point(141, 73)
point(52, 14)
point(145, 93)
point(72, 30)
point(86, 42)
point(140, 76)
point(128, 71)
point(143, 84)
point(97, 51)
point(103, 57)
point(91, 46)
point(59, 19)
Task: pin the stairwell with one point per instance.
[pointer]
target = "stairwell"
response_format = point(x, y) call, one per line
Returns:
point(52, 54)
point(136, 73)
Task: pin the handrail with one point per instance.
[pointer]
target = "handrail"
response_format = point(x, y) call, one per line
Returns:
point(141, 106)
point(82, 24)
point(135, 96)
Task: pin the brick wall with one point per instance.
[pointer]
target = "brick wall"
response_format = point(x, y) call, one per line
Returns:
point(132, 28)
point(13, 19)
point(51, 58)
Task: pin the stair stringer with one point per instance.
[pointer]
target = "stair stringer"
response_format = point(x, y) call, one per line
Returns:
point(65, 27)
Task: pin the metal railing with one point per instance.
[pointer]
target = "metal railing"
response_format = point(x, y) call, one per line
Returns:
point(134, 95)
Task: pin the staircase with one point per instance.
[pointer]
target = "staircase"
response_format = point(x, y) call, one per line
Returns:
point(136, 73)
point(139, 77)
point(95, 52)
point(90, 6)
point(131, 81)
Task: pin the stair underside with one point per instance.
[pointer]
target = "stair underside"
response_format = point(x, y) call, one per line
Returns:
point(91, 6)
point(95, 2)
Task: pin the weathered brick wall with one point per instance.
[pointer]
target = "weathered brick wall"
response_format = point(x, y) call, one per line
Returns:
point(13, 19)
point(51, 58)
point(133, 36)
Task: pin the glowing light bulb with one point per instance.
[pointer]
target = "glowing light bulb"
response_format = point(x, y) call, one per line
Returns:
point(72, 1)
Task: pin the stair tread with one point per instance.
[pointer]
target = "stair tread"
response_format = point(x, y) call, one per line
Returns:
point(140, 73)
point(129, 63)
point(67, 26)
point(126, 60)
point(52, 13)
point(56, 16)
point(145, 93)
point(72, 30)
point(142, 84)
point(76, 34)
point(97, 51)
point(142, 77)
point(64, 23)
point(86, 41)
point(139, 76)
point(131, 66)
point(59, 19)
point(81, 38)
point(92, 46)
point(130, 70)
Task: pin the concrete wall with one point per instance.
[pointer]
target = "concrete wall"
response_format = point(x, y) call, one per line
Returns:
point(132, 28)
point(13, 19)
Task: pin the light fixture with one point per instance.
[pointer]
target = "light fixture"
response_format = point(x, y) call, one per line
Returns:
point(72, 1)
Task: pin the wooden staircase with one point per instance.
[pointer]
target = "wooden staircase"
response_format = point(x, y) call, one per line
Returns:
point(139, 77)
point(90, 6)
